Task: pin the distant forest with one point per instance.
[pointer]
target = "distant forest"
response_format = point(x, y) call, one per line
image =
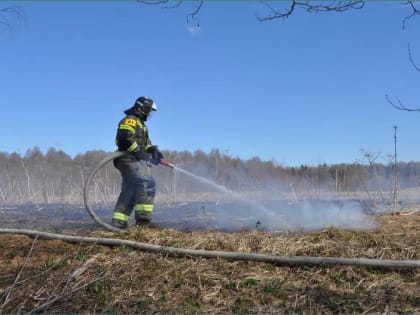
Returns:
point(55, 177)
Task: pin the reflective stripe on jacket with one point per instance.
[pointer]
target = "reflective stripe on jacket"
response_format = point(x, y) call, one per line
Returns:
point(132, 136)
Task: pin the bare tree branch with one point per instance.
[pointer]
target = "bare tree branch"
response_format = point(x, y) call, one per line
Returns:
point(8, 291)
point(10, 12)
point(400, 105)
point(190, 17)
point(157, 2)
point(193, 15)
point(176, 5)
point(153, 1)
point(337, 6)
point(411, 58)
point(66, 294)
point(414, 12)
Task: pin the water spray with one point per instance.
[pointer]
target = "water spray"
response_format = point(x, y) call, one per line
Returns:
point(273, 219)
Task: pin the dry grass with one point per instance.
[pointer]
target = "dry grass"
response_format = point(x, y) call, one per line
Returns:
point(65, 278)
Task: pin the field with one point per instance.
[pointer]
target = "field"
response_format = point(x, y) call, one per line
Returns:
point(53, 276)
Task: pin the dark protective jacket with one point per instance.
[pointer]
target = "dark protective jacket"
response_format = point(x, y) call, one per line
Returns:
point(132, 136)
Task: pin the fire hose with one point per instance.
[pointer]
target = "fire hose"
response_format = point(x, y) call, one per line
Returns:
point(101, 164)
point(391, 264)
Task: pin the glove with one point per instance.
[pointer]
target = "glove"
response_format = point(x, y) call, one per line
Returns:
point(138, 155)
point(157, 156)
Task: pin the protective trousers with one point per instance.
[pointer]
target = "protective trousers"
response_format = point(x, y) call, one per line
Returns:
point(138, 189)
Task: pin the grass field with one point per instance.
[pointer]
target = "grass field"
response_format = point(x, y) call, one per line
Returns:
point(52, 276)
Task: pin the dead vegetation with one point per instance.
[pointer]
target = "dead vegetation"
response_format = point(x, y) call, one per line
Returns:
point(58, 277)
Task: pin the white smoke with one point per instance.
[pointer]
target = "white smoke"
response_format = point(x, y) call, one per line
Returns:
point(315, 215)
point(243, 212)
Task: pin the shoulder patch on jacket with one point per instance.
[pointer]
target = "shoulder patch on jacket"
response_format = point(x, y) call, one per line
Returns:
point(130, 122)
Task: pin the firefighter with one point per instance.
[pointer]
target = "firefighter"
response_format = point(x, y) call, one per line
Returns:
point(138, 187)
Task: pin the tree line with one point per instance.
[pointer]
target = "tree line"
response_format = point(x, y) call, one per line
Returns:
point(55, 177)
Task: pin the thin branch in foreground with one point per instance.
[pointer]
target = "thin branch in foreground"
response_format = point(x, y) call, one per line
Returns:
point(158, 2)
point(400, 105)
point(190, 17)
point(176, 5)
point(193, 15)
point(8, 290)
point(276, 14)
point(153, 2)
point(411, 59)
point(335, 6)
point(50, 302)
point(6, 13)
point(414, 12)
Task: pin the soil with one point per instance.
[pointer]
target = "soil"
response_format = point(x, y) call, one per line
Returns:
point(52, 276)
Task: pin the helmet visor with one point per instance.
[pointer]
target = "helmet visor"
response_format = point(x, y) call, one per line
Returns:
point(153, 107)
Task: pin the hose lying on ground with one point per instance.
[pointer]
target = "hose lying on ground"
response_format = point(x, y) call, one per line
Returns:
point(85, 192)
point(274, 259)
point(409, 213)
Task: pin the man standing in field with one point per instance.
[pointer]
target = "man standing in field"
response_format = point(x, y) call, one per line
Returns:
point(138, 187)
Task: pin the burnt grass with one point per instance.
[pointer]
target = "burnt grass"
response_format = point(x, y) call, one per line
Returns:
point(52, 276)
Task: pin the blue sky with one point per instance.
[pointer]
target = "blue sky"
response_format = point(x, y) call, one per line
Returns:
point(306, 90)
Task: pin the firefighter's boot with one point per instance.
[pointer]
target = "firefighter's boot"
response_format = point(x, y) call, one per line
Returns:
point(119, 224)
point(143, 217)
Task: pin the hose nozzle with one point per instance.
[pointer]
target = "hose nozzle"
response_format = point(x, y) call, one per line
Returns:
point(166, 163)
